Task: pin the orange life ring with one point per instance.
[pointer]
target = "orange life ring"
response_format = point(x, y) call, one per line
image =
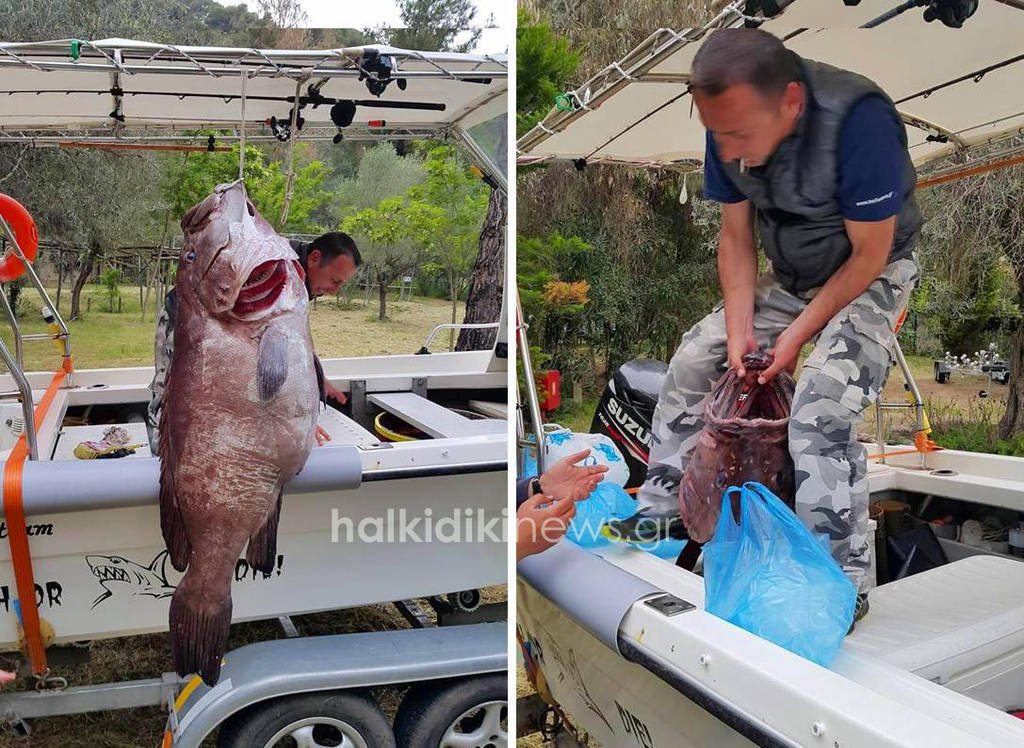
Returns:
point(24, 231)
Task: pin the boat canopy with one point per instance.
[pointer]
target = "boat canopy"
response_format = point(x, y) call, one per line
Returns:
point(959, 91)
point(136, 90)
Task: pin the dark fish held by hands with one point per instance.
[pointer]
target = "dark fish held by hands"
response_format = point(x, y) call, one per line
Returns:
point(745, 438)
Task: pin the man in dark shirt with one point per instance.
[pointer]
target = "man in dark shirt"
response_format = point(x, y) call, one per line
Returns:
point(815, 158)
point(329, 260)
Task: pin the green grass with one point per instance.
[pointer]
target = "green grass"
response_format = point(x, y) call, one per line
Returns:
point(575, 416)
point(101, 339)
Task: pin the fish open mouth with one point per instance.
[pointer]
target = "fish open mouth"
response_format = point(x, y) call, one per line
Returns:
point(262, 288)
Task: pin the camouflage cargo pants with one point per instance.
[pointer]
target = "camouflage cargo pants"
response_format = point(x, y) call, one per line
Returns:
point(843, 375)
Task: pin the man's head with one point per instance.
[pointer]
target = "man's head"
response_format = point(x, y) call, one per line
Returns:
point(747, 87)
point(332, 259)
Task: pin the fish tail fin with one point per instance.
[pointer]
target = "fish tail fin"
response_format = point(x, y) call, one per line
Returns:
point(262, 551)
point(198, 634)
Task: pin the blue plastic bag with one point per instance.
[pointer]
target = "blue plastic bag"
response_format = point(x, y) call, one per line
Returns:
point(770, 576)
point(610, 501)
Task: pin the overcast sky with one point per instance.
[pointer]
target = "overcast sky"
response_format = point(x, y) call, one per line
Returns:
point(361, 14)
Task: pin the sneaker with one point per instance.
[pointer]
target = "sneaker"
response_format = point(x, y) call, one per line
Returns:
point(641, 528)
point(860, 610)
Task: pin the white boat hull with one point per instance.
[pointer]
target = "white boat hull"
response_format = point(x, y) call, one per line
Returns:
point(692, 679)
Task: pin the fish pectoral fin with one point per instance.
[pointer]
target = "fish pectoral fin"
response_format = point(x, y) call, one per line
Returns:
point(271, 362)
point(262, 551)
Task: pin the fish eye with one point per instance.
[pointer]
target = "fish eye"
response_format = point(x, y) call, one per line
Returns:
point(190, 256)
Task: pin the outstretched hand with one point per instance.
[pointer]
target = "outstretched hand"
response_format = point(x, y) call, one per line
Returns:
point(333, 393)
point(567, 480)
point(540, 523)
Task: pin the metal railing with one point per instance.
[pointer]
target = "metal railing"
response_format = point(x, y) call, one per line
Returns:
point(917, 404)
point(532, 398)
point(16, 363)
point(457, 326)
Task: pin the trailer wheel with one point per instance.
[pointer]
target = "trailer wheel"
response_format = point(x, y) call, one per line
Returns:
point(464, 713)
point(340, 719)
point(467, 600)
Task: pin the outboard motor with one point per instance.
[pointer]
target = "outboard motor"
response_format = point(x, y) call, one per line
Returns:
point(625, 411)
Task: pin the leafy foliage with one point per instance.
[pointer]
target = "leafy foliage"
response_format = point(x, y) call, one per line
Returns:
point(380, 173)
point(544, 64)
point(166, 21)
point(194, 176)
point(111, 281)
point(434, 25)
point(434, 222)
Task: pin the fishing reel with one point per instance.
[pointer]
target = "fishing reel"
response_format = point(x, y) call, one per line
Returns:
point(952, 13)
point(376, 69)
point(282, 128)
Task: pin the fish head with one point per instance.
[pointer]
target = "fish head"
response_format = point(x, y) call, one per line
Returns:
point(233, 264)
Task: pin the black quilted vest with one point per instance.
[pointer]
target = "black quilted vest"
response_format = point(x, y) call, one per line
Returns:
point(796, 192)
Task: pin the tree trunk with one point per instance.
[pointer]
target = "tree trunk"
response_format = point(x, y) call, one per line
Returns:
point(76, 289)
point(483, 302)
point(454, 293)
point(382, 289)
point(12, 297)
point(1013, 419)
point(60, 281)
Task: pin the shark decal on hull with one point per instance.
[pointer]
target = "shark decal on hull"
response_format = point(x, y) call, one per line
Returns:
point(125, 578)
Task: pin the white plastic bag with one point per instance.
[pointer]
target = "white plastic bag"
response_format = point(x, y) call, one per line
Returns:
point(560, 442)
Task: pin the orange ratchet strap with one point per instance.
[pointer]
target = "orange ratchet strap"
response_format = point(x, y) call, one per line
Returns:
point(17, 533)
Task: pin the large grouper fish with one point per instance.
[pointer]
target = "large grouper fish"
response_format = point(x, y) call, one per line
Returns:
point(745, 438)
point(239, 413)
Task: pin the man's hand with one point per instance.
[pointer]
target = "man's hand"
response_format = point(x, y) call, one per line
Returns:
point(540, 527)
point(322, 437)
point(738, 347)
point(333, 393)
point(567, 480)
point(786, 352)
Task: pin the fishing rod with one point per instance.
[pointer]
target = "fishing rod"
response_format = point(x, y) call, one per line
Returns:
point(952, 13)
point(314, 100)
